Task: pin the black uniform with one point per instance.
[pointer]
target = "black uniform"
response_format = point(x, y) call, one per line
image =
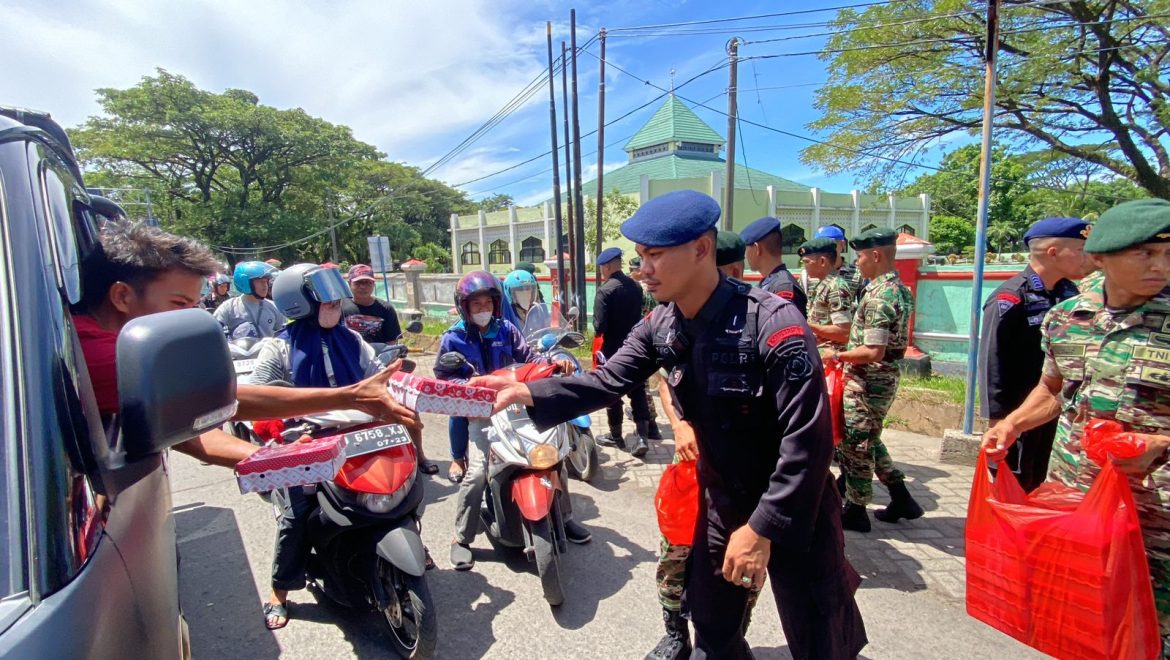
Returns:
point(782, 283)
point(1010, 361)
point(617, 308)
point(746, 374)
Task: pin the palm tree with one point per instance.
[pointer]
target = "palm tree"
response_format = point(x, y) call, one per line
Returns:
point(1001, 232)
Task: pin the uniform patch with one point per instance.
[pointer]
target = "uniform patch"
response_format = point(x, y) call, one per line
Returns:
point(1155, 375)
point(784, 333)
point(1159, 339)
point(1152, 354)
point(1166, 325)
point(794, 363)
point(1068, 350)
point(1036, 320)
point(787, 295)
point(1006, 301)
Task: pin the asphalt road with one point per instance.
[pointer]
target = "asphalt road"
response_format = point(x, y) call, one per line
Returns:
point(497, 610)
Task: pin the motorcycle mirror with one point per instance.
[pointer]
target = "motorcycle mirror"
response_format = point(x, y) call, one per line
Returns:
point(414, 327)
point(408, 366)
point(451, 360)
point(573, 314)
point(571, 340)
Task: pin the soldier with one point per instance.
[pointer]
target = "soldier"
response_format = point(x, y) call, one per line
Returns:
point(830, 312)
point(1106, 357)
point(847, 271)
point(877, 340)
point(729, 253)
point(616, 308)
point(1009, 346)
point(742, 364)
point(765, 254)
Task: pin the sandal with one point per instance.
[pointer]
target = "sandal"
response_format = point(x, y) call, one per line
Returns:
point(427, 467)
point(455, 473)
point(273, 613)
point(430, 563)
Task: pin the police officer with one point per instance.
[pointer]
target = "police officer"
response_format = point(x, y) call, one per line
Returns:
point(1105, 357)
point(765, 255)
point(617, 306)
point(830, 311)
point(1010, 356)
point(742, 365)
point(847, 271)
point(878, 338)
point(729, 253)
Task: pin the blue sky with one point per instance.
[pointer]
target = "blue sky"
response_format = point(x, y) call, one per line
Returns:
point(416, 78)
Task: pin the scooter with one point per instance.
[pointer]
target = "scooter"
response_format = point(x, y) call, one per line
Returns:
point(549, 334)
point(364, 532)
point(522, 506)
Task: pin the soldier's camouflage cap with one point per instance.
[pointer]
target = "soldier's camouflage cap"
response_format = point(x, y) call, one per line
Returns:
point(817, 246)
point(673, 219)
point(1130, 223)
point(729, 248)
point(877, 237)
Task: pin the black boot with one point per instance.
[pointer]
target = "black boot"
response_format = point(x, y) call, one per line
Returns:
point(854, 517)
point(640, 445)
point(676, 645)
point(902, 505)
point(614, 439)
point(653, 433)
point(841, 483)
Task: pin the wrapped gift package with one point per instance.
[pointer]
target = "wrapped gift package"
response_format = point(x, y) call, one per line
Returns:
point(441, 397)
point(295, 464)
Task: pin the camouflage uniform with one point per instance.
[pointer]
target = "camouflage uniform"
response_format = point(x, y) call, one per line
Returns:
point(832, 303)
point(1115, 365)
point(671, 574)
point(1094, 280)
point(852, 277)
point(882, 318)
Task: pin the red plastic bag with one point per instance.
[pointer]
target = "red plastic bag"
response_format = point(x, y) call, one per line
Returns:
point(677, 503)
point(835, 388)
point(1062, 571)
point(596, 350)
point(1106, 438)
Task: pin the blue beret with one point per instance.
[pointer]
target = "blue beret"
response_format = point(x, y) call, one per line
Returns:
point(1057, 228)
point(830, 231)
point(673, 219)
point(759, 229)
point(607, 255)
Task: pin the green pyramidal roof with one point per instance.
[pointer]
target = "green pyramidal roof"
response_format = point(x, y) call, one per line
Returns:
point(674, 122)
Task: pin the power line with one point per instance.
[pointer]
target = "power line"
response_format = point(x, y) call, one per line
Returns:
point(732, 19)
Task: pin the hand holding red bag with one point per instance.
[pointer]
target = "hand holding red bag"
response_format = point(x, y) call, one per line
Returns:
point(677, 503)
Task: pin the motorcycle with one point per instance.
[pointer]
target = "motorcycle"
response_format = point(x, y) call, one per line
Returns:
point(388, 353)
point(366, 548)
point(523, 500)
point(550, 334)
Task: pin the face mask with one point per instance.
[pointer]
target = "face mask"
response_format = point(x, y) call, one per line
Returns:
point(481, 318)
point(523, 298)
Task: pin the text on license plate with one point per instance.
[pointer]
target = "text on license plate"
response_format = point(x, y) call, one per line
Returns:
point(368, 441)
point(244, 366)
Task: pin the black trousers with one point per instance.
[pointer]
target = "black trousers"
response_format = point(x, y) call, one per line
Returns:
point(819, 615)
point(1027, 458)
point(638, 405)
point(290, 560)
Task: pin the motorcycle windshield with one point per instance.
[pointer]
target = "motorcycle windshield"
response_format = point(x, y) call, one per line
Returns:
point(542, 319)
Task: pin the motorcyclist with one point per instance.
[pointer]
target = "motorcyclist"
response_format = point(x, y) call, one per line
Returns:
point(520, 301)
point(253, 280)
point(314, 350)
point(220, 285)
point(488, 342)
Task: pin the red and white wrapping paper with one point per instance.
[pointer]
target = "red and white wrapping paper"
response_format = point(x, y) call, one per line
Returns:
point(441, 397)
point(296, 464)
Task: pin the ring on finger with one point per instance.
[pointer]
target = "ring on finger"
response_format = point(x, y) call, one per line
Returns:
point(745, 581)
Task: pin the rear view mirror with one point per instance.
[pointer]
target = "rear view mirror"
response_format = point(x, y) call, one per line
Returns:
point(571, 339)
point(451, 360)
point(573, 314)
point(175, 380)
point(414, 327)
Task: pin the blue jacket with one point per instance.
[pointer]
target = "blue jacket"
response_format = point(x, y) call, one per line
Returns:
point(499, 346)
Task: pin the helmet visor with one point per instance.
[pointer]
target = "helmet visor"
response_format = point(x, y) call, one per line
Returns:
point(326, 285)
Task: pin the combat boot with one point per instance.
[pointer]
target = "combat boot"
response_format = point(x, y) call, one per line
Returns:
point(653, 432)
point(902, 505)
point(614, 439)
point(841, 484)
point(640, 445)
point(855, 517)
point(676, 644)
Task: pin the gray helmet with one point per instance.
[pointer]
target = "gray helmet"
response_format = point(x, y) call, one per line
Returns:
point(299, 290)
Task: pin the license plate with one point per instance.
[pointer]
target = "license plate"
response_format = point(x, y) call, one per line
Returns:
point(368, 441)
point(244, 366)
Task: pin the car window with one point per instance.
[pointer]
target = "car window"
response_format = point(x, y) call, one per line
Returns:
point(12, 545)
point(58, 207)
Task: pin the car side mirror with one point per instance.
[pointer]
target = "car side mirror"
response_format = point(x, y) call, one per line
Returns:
point(175, 380)
point(414, 327)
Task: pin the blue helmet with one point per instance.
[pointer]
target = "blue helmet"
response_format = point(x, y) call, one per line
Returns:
point(246, 271)
point(518, 279)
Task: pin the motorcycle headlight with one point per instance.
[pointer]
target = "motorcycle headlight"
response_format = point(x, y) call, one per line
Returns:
point(377, 503)
point(543, 456)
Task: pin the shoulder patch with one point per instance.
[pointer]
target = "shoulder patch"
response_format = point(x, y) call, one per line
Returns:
point(784, 333)
point(787, 295)
point(1008, 297)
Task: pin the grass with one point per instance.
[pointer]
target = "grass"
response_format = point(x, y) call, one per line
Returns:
point(954, 387)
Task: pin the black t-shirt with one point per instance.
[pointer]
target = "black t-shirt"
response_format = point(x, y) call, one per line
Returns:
point(377, 322)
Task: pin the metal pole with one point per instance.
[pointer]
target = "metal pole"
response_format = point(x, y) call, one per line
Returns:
point(570, 232)
point(600, 149)
point(552, 118)
point(578, 200)
point(332, 226)
point(382, 259)
point(981, 222)
point(732, 113)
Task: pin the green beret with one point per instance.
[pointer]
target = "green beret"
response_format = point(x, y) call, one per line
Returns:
point(729, 248)
point(526, 266)
point(818, 246)
point(636, 263)
point(1129, 224)
point(874, 238)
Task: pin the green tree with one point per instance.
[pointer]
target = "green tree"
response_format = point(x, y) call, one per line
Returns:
point(950, 234)
point(497, 202)
point(616, 209)
point(955, 190)
point(1001, 232)
point(1083, 79)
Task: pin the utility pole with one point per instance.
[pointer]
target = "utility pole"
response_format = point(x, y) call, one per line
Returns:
point(578, 200)
point(552, 119)
point(600, 148)
point(332, 224)
point(570, 227)
point(732, 114)
point(981, 222)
